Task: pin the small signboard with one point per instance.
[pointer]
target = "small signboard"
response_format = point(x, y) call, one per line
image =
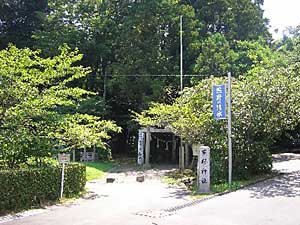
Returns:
point(64, 158)
point(219, 101)
point(203, 169)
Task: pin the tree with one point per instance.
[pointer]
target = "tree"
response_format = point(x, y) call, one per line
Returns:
point(120, 38)
point(39, 110)
point(264, 106)
point(126, 42)
point(18, 20)
point(242, 58)
point(216, 57)
point(148, 43)
point(237, 20)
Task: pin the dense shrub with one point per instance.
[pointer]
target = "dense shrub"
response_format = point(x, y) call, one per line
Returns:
point(75, 179)
point(23, 188)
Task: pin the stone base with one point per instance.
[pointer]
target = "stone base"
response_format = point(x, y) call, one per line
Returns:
point(140, 178)
point(110, 180)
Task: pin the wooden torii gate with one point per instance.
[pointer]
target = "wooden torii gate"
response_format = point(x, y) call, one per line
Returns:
point(144, 140)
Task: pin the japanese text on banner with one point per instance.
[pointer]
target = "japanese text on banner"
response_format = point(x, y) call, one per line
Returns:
point(219, 102)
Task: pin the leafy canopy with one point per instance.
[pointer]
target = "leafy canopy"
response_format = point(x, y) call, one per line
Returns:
point(264, 105)
point(39, 107)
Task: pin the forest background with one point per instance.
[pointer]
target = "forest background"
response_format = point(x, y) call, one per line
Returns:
point(132, 49)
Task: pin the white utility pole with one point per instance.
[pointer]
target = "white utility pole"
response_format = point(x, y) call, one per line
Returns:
point(181, 153)
point(181, 56)
point(62, 180)
point(229, 131)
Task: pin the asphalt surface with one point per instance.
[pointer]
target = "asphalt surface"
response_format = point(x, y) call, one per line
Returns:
point(272, 202)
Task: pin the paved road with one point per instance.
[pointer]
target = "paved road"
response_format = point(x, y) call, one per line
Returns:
point(273, 202)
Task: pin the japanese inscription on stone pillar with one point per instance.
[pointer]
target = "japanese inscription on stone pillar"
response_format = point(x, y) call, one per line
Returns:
point(141, 144)
point(204, 169)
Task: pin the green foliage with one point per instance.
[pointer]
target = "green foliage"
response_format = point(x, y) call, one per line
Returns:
point(75, 179)
point(39, 111)
point(120, 38)
point(24, 188)
point(123, 38)
point(94, 105)
point(105, 153)
point(251, 56)
point(236, 19)
point(79, 131)
point(263, 106)
point(216, 56)
point(19, 19)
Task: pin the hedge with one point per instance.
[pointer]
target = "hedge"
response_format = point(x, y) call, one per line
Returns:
point(24, 188)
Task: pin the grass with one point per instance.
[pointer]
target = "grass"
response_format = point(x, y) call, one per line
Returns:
point(177, 177)
point(171, 181)
point(238, 184)
point(96, 170)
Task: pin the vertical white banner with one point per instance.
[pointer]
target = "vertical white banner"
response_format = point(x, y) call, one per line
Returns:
point(204, 169)
point(141, 144)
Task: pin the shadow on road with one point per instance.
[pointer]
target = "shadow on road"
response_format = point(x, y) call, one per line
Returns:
point(285, 157)
point(131, 169)
point(287, 185)
point(178, 193)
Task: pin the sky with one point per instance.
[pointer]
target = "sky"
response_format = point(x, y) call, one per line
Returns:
point(282, 13)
